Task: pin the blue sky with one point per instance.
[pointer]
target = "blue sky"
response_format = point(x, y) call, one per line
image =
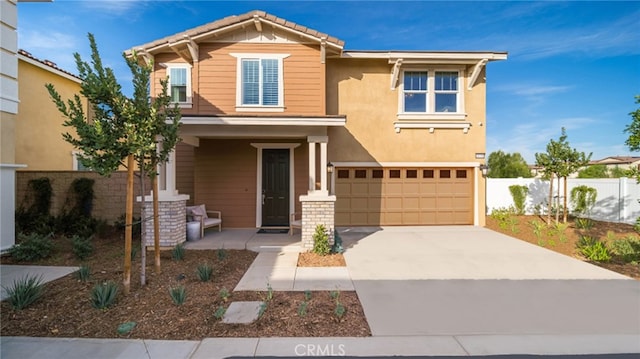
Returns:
point(571, 64)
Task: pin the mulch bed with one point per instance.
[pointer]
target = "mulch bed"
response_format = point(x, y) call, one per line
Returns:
point(524, 231)
point(310, 259)
point(66, 310)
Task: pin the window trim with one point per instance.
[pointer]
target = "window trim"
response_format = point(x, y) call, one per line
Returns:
point(430, 114)
point(259, 56)
point(188, 67)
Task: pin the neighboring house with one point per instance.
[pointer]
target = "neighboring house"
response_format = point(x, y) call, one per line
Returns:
point(44, 149)
point(279, 118)
point(620, 162)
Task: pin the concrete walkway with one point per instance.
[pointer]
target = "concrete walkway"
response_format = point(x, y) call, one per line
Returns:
point(280, 270)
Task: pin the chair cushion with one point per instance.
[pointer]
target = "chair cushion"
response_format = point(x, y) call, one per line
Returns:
point(208, 222)
point(197, 211)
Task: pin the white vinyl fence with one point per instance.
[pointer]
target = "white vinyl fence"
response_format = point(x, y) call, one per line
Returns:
point(617, 199)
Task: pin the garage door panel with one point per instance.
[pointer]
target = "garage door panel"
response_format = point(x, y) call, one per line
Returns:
point(405, 196)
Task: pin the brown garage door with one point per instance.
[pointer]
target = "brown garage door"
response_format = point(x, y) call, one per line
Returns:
point(404, 196)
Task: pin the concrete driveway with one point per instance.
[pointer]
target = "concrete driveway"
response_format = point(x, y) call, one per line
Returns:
point(463, 280)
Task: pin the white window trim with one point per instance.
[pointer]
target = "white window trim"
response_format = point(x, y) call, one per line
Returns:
point(259, 56)
point(76, 161)
point(430, 114)
point(188, 67)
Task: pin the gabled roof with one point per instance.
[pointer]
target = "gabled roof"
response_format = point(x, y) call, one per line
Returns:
point(253, 18)
point(621, 160)
point(47, 65)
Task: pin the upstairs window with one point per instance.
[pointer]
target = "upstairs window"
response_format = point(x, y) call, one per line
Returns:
point(179, 86)
point(260, 85)
point(430, 93)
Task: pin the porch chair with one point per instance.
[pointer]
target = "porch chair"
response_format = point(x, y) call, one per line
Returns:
point(294, 223)
point(199, 213)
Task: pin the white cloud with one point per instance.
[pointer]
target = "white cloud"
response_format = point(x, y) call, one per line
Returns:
point(113, 7)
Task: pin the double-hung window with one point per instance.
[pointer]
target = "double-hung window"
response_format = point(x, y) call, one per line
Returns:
point(179, 86)
point(260, 84)
point(431, 94)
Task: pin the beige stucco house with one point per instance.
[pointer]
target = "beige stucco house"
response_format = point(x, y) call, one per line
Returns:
point(43, 149)
point(280, 119)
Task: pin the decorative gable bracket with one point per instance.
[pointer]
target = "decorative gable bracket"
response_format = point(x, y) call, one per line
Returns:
point(395, 73)
point(186, 48)
point(476, 72)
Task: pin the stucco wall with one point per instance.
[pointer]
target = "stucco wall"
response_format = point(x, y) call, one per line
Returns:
point(361, 90)
point(110, 192)
point(39, 128)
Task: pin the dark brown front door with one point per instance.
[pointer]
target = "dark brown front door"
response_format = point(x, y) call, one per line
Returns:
point(275, 187)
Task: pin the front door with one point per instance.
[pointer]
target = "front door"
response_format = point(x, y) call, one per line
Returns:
point(275, 187)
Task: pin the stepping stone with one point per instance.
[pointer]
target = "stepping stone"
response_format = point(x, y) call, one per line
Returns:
point(242, 312)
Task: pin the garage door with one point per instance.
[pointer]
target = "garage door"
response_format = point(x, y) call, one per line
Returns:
point(404, 196)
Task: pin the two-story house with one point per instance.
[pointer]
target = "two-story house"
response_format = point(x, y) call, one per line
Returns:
point(278, 119)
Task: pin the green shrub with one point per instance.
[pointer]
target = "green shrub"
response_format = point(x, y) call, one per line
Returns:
point(321, 241)
point(24, 291)
point(584, 223)
point(82, 247)
point(178, 295)
point(83, 273)
point(636, 226)
point(178, 252)
point(519, 195)
point(221, 254)
point(204, 272)
point(104, 295)
point(307, 295)
point(596, 252)
point(136, 225)
point(583, 198)
point(504, 216)
point(224, 294)
point(219, 313)
point(302, 309)
point(32, 247)
point(126, 328)
point(339, 310)
point(269, 292)
point(626, 249)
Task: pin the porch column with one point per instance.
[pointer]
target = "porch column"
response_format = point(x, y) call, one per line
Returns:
point(312, 167)
point(171, 207)
point(313, 142)
point(318, 207)
point(167, 175)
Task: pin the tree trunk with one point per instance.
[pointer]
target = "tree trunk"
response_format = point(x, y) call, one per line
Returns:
point(564, 218)
point(156, 223)
point(550, 204)
point(558, 201)
point(126, 281)
point(143, 222)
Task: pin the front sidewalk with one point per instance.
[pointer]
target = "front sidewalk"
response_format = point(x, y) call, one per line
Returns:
point(213, 348)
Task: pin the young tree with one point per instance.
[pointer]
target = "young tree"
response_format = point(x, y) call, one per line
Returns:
point(633, 142)
point(120, 127)
point(507, 165)
point(560, 161)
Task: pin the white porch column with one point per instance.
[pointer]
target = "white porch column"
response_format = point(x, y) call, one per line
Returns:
point(312, 166)
point(323, 168)
point(167, 175)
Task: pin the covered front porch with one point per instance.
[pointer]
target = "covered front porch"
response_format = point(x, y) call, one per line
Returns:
point(257, 171)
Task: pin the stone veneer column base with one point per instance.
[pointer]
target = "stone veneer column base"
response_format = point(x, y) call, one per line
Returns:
point(317, 209)
point(173, 220)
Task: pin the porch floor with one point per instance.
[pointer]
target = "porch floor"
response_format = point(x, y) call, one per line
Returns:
point(247, 238)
